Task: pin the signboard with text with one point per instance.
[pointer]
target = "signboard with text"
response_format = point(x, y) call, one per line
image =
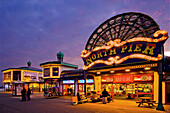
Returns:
point(123, 78)
point(107, 79)
point(55, 71)
point(143, 77)
point(72, 75)
point(138, 49)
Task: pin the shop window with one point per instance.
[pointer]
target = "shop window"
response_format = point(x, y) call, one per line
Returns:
point(7, 76)
point(145, 88)
point(41, 78)
point(16, 75)
point(130, 89)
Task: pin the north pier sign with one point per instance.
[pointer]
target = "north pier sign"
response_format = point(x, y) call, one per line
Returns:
point(134, 50)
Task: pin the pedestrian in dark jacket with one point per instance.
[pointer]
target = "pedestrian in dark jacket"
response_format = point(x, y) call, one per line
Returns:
point(23, 92)
point(28, 93)
point(104, 96)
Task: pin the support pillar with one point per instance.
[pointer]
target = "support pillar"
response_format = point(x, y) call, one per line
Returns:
point(85, 77)
point(44, 86)
point(75, 86)
point(8, 86)
point(39, 87)
point(85, 86)
point(4, 87)
point(51, 82)
point(160, 105)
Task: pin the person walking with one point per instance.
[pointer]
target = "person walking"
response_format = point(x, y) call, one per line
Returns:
point(23, 93)
point(28, 93)
point(104, 96)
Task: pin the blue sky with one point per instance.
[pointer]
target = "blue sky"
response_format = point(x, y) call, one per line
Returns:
point(35, 30)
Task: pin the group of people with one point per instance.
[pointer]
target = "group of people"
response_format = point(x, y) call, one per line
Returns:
point(25, 93)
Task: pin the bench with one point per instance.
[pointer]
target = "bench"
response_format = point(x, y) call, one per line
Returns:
point(138, 101)
point(153, 101)
point(150, 103)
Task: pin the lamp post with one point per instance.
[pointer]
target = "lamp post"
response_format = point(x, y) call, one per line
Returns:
point(160, 105)
point(85, 76)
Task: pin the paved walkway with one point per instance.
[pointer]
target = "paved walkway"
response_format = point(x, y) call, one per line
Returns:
point(38, 104)
point(125, 104)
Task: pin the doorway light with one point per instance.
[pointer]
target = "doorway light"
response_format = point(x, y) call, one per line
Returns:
point(147, 68)
point(112, 71)
point(98, 73)
point(127, 70)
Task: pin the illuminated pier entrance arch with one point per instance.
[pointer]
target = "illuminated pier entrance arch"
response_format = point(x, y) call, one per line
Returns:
point(124, 44)
point(123, 26)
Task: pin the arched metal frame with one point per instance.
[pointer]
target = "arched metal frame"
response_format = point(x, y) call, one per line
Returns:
point(123, 26)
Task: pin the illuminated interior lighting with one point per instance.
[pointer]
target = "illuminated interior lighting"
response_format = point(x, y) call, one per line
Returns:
point(133, 67)
point(147, 68)
point(127, 70)
point(112, 71)
point(118, 43)
point(140, 71)
point(98, 73)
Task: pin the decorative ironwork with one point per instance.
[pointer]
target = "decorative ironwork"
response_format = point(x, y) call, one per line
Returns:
point(123, 26)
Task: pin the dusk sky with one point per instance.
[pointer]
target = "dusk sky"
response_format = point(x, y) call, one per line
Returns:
point(36, 30)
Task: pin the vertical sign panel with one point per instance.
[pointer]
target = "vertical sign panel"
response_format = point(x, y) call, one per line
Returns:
point(98, 83)
point(46, 72)
point(55, 71)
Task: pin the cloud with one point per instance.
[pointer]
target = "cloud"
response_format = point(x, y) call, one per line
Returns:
point(36, 30)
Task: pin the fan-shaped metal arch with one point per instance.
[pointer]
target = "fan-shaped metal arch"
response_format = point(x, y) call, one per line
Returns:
point(123, 26)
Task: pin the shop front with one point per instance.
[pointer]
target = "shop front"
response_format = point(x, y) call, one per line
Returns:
point(89, 85)
point(68, 87)
point(107, 83)
point(72, 81)
point(123, 86)
point(144, 85)
point(130, 86)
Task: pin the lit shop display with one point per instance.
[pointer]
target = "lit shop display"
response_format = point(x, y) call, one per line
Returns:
point(17, 88)
point(128, 86)
point(89, 85)
point(68, 87)
point(107, 84)
point(70, 81)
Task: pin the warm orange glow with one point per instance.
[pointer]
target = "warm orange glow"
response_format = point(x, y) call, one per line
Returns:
point(117, 60)
point(140, 71)
point(147, 68)
point(127, 70)
point(118, 43)
point(112, 71)
point(98, 73)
